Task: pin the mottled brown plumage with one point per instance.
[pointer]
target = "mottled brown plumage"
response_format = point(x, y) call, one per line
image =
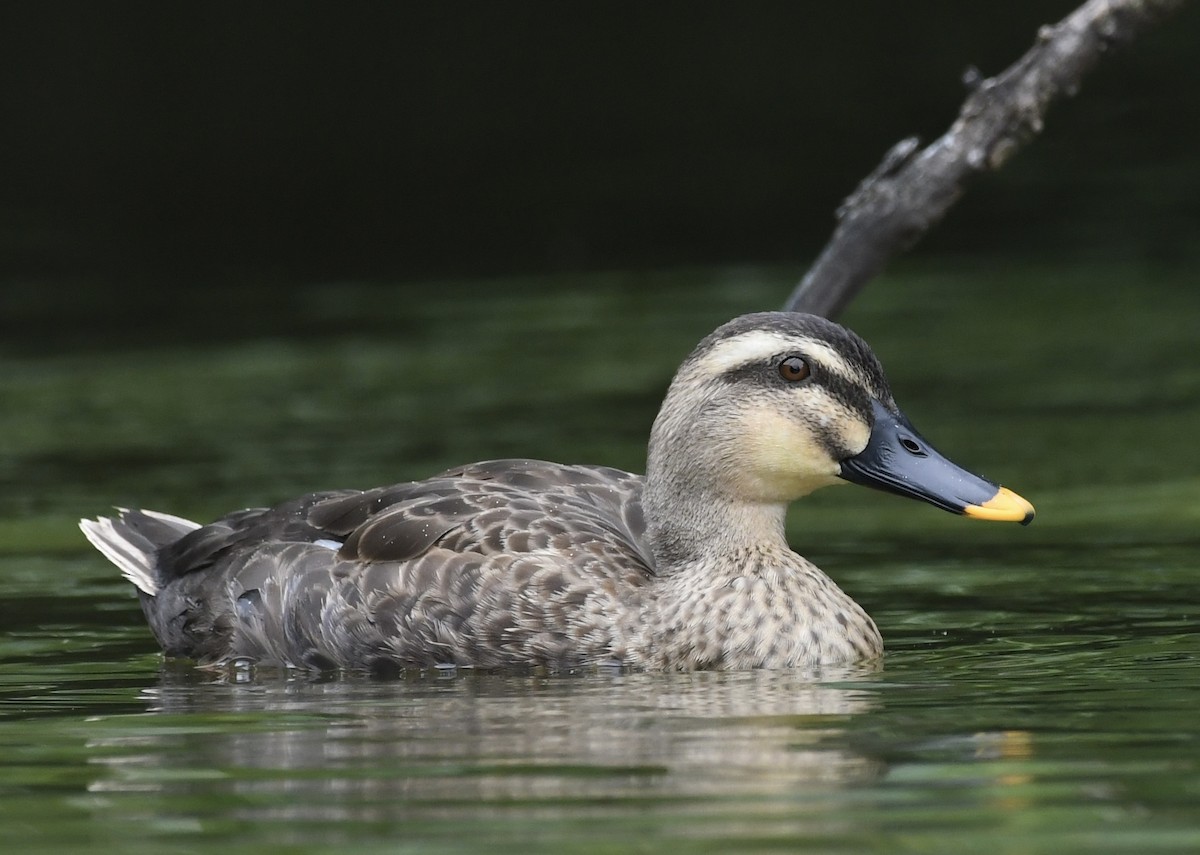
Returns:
point(523, 562)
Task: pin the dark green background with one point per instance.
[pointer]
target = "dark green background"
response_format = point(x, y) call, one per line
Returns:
point(250, 250)
point(168, 143)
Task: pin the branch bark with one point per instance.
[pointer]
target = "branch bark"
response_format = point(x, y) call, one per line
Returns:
point(914, 187)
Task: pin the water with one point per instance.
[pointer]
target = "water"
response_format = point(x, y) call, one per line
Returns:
point(1041, 684)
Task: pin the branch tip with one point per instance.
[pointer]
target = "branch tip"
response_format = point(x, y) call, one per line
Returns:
point(901, 199)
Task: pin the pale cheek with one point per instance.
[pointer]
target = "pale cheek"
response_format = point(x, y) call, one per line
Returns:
point(781, 461)
point(856, 433)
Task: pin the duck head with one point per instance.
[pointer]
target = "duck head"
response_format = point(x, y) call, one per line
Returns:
point(772, 406)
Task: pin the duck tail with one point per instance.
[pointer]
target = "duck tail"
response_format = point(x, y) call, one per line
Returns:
point(132, 540)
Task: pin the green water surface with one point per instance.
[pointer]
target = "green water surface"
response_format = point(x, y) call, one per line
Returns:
point(1041, 691)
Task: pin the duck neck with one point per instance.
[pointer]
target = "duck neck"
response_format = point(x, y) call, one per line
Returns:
point(688, 523)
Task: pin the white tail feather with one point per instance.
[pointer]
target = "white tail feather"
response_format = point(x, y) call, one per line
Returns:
point(185, 524)
point(134, 557)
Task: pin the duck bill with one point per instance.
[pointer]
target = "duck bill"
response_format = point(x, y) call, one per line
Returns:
point(899, 460)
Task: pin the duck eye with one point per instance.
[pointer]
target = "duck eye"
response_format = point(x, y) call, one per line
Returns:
point(794, 369)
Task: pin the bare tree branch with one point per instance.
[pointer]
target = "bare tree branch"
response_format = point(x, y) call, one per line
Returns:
point(911, 190)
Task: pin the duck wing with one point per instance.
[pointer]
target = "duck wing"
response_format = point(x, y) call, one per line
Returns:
point(495, 507)
point(489, 564)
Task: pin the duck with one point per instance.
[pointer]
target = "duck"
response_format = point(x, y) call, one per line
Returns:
point(527, 563)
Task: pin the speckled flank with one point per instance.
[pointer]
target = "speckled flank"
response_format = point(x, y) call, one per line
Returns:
point(519, 562)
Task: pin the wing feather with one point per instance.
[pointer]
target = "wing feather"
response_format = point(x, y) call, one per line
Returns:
point(495, 563)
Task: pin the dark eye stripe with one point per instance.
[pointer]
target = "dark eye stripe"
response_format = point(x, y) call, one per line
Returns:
point(849, 393)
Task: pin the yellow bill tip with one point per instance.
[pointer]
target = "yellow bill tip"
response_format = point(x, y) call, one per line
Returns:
point(1005, 506)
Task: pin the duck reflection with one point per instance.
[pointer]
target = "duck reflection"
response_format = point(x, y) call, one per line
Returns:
point(370, 750)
